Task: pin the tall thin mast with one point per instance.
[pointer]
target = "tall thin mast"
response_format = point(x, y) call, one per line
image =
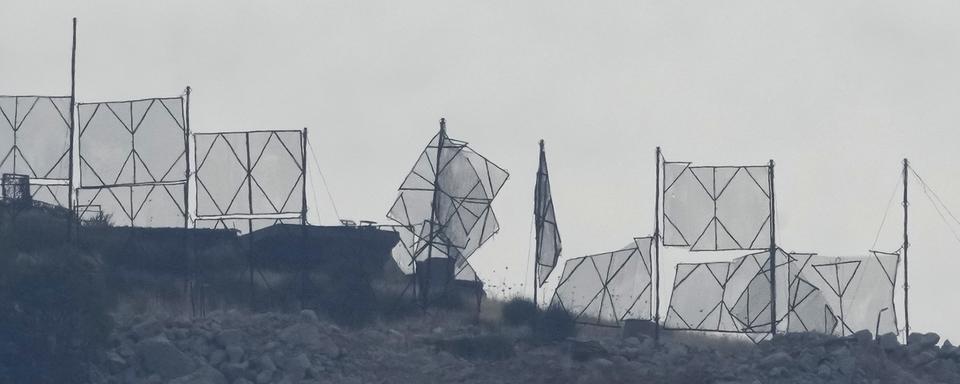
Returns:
point(186, 156)
point(906, 244)
point(773, 255)
point(538, 215)
point(433, 206)
point(73, 104)
point(656, 250)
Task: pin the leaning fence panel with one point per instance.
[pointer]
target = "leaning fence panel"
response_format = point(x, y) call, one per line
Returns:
point(608, 288)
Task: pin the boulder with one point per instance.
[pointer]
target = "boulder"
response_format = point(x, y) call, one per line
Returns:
point(889, 342)
point(230, 337)
point(216, 357)
point(265, 377)
point(115, 363)
point(160, 356)
point(205, 375)
point(234, 371)
point(929, 339)
point(309, 316)
point(147, 329)
point(776, 359)
point(265, 363)
point(308, 335)
point(864, 337)
point(922, 358)
point(295, 368)
point(235, 353)
point(587, 350)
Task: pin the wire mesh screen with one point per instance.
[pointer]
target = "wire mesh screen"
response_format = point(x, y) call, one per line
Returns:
point(133, 157)
point(35, 141)
point(716, 208)
point(728, 296)
point(608, 288)
point(445, 203)
point(244, 175)
point(843, 295)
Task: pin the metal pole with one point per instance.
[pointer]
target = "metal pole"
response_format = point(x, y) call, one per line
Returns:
point(773, 255)
point(73, 104)
point(250, 255)
point(192, 265)
point(906, 245)
point(303, 217)
point(656, 249)
point(303, 170)
point(186, 150)
point(538, 220)
point(433, 209)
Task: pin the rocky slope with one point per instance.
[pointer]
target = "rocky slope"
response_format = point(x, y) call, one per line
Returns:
point(445, 347)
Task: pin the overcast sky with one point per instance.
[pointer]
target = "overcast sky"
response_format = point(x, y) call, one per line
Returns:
point(836, 92)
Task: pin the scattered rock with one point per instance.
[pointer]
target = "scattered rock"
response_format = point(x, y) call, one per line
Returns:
point(824, 370)
point(235, 353)
point(863, 337)
point(230, 337)
point(264, 377)
point(205, 375)
point(587, 350)
point(309, 316)
point(889, 342)
point(929, 339)
point(234, 371)
point(147, 329)
point(216, 357)
point(296, 367)
point(265, 363)
point(309, 335)
point(776, 359)
point(115, 363)
point(922, 358)
point(602, 363)
point(163, 358)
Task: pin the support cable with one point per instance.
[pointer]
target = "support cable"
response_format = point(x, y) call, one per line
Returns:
point(938, 205)
point(896, 187)
point(326, 186)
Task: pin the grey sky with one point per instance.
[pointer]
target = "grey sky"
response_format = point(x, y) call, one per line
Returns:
point(837, 92)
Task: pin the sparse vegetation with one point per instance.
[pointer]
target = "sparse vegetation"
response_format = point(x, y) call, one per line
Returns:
point(53, 316)
point(520, 311)
point(554, 324)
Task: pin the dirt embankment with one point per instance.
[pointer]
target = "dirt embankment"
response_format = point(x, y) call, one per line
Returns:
point(446, 347)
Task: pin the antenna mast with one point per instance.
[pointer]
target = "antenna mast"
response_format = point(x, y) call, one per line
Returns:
point(656, 250)
point(433, 209)
point(73, 105)
point(773, 256)
point(906, 244)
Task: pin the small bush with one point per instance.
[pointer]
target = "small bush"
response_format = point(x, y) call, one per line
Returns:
point(53, 316)
point(554, 324)
point(520, 311)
